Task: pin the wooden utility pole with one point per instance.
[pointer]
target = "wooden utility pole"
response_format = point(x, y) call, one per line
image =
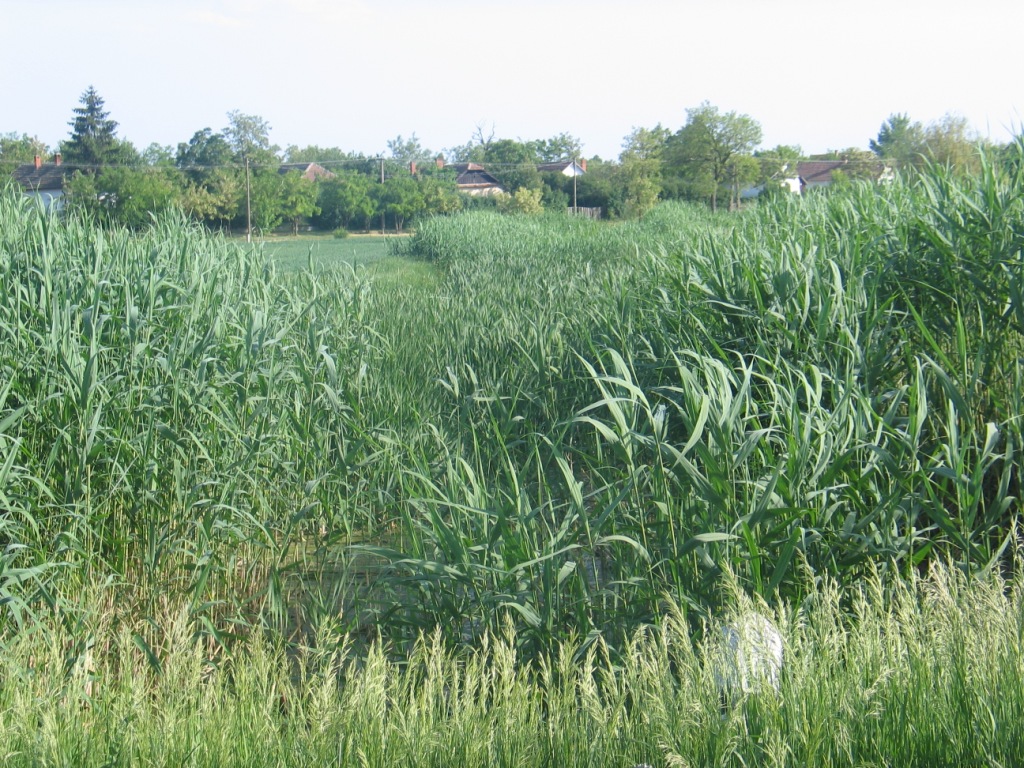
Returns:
point(248, 204)
point(575, 169)
point(382, 184)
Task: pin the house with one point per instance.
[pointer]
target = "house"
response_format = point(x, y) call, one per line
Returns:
point(813, 174)
point(472, 179)
point(789, 183)
point(819, 173)
point(45, 181)
point(311, 171)
point(564, 167)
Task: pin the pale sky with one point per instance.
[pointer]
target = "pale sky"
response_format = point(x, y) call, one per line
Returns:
point(353, 74)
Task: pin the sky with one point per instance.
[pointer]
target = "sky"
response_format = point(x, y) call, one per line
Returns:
point(354, 74)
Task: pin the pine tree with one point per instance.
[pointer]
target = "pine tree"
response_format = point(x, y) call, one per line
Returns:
point(94, 139)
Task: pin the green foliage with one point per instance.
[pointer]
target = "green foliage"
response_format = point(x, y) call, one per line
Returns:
point(911, 145)
point(440, 194)
point(249, 137)
point(639, 175)
point(218, 199)
point(205, 154)
point(512, 163)
point(899, 141)
point(556, 194)
point(94, 141)
point(158, 155)
point(17, 150)
point(298, 199)
point(596, 188)
point(951, 142)
point(706, 152)
point(777, 165)
point(400, 198)
point(547, 421)
point(125, 196)
point(345, 200)
point(564, 146)
point(332, 158)
point(267, 193)
point(405, 152)
point(525, 201)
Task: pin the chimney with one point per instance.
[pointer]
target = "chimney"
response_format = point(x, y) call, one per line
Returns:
point(439, 161)
point(58, 159)
point(583, 165)
point(39, 162)
point(412, 168)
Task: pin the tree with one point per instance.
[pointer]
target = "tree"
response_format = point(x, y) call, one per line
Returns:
point(17, 150)
point(266, 194)
point(525, 201)
point(205, 152)
point(333, 158)
point(473, 151)
point(947, 141)
point(344, 200)
point(218, 199)
point(556, 194)
point(899, 142)
point(249, 137)
point(401, 198)
point(951, 142)
point(440, 193)
point(741, 172)
point(404, 152)
point(125, 196)
point(158, 155)
point(564, 146)
point(94, 139)
point(704, 150)
point(777, 165)
point(596, 188)
point(512, 163)
point(640, 173)
point(298, 199)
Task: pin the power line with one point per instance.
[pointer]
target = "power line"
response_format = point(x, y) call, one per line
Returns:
point(366, 162)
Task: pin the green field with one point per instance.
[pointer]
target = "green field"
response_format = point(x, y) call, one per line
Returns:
point(297, 253)
point(369, 256)
point(485, 495)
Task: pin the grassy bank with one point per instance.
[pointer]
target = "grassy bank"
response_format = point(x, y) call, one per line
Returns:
point(917, 673)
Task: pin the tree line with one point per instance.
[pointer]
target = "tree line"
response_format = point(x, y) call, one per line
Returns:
point(236, 177)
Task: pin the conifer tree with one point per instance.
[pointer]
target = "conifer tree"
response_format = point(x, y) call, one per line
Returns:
point(94, 139)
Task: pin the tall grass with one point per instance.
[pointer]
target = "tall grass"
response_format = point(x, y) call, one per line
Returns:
point(566, 423)
point(830, 383)
point(920, 672)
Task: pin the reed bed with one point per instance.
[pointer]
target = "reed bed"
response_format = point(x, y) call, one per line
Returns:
point(563, 439)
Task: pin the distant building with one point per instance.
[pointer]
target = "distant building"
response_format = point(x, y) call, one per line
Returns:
point(311, 171)
point(820, 173)
point(564, 167)
point(472, 179)
point(45, 181)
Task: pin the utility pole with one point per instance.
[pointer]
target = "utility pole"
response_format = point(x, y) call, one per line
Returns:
point(575, 169)
point(248, 204)
point(382, 184)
